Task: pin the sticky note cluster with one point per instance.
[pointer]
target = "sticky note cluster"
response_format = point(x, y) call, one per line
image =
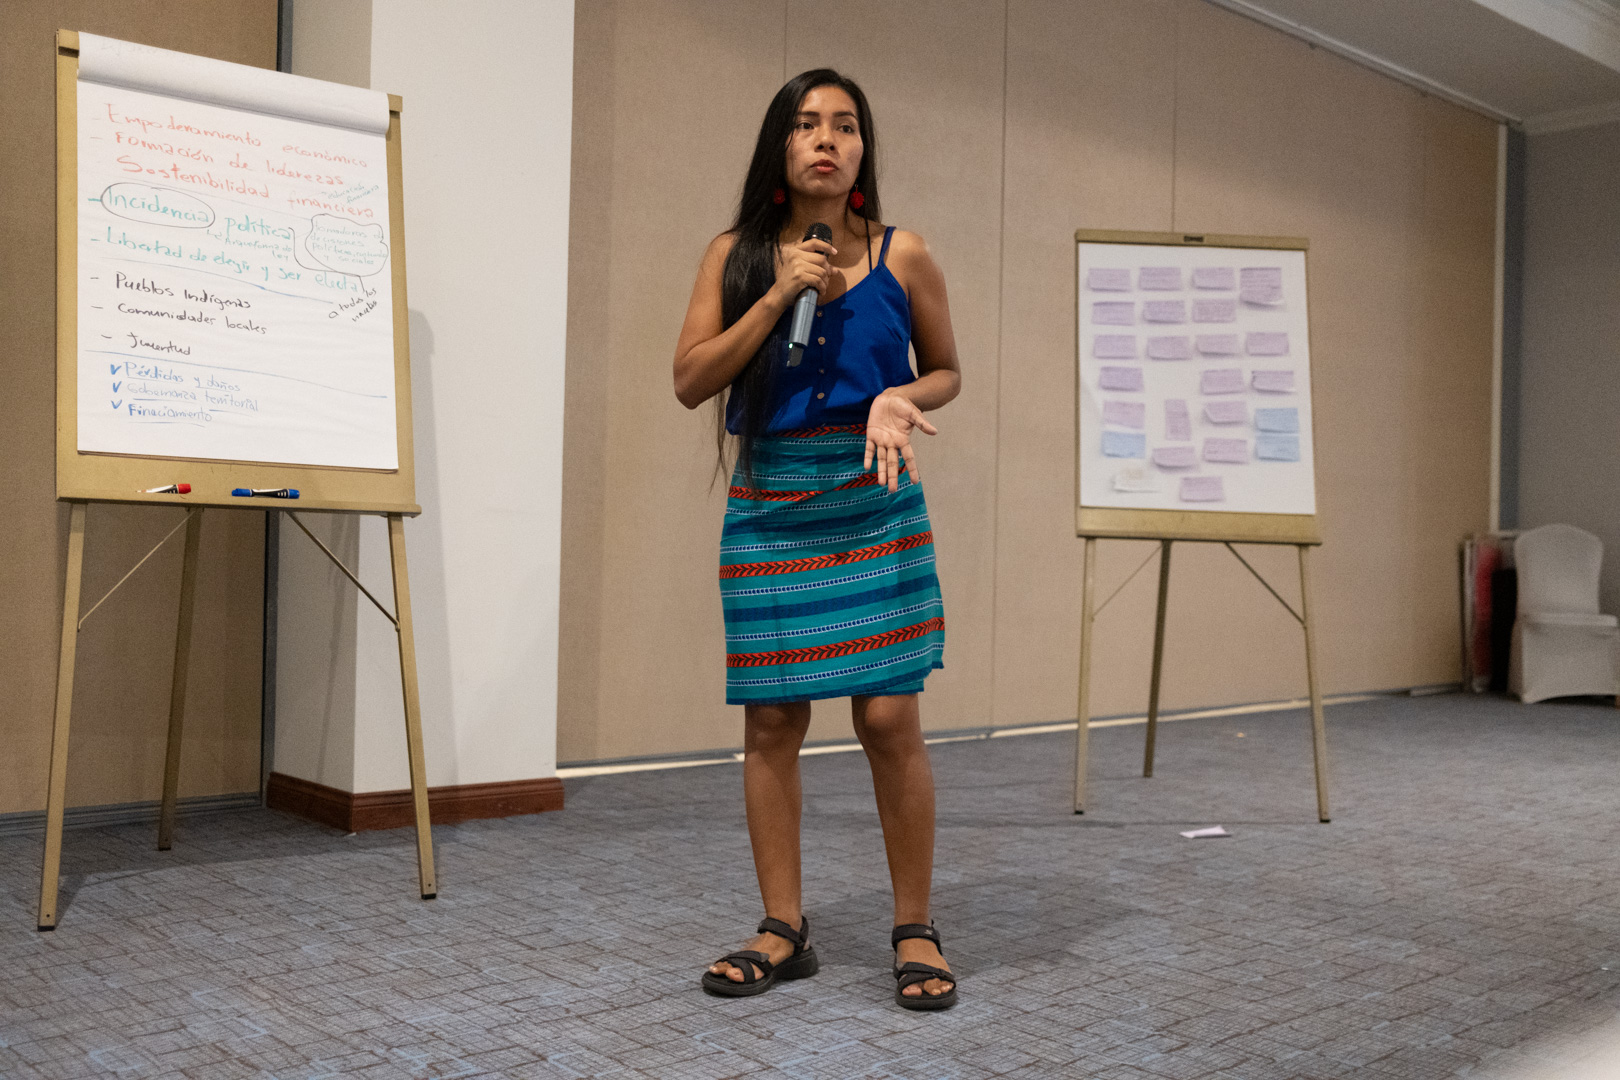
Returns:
point(1194, 366)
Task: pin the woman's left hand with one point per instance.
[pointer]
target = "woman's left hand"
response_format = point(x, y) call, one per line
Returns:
point(888, 437)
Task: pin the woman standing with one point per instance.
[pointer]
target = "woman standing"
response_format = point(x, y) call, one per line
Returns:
point(827, 562)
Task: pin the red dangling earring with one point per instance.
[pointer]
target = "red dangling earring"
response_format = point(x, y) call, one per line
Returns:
point(856, 199)
point(779, 197)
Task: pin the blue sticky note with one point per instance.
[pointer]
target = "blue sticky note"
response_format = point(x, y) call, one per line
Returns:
point(1276, 447)
point(1125, 444)
point(1284, 421)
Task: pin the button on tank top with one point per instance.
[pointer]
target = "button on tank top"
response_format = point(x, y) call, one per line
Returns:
point(860, 345)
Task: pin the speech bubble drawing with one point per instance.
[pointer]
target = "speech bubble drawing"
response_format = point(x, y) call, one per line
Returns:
point(344, 246)
point(157, 206)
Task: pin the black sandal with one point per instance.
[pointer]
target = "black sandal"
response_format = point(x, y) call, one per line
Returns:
point(913, 973)
point(801, 965)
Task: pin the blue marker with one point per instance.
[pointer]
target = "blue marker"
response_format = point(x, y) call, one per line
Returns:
point(265, 493)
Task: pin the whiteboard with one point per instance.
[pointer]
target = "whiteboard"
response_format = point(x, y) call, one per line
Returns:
point(233, 264)
point(1194, 374)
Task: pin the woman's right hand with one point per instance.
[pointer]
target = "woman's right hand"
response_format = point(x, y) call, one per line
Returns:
point(802, 266)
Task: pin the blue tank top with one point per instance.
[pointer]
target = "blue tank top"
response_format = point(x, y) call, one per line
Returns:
point(860, 345)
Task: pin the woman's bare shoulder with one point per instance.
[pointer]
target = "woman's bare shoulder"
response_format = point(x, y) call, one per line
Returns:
point(909, 248)
point(910, 257)
point(720, 246)
point(714, 256)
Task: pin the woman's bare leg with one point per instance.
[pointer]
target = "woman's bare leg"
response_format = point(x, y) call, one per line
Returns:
point(771, 740)
point(890, 730)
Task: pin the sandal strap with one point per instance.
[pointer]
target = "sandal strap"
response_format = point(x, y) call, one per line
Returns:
point(913, 973)
point(907, 931)
point(928, 970)
point(781, 929)
point(751, 957)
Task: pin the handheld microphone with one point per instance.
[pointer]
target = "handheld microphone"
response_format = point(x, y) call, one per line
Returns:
point(804, 308)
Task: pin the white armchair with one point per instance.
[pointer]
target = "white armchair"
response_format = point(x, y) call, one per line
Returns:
point(1562, 644)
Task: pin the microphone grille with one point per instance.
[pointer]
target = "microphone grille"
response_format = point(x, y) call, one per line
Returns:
point(819, 231)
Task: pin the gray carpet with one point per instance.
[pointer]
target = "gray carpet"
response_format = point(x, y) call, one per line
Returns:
point(1461, 904)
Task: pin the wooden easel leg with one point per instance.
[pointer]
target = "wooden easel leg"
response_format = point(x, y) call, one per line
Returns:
point(1318, 730)
point(413, 710)
point(56, 792)
point(1082, 737)
point(1158, 660)
point(177, 686)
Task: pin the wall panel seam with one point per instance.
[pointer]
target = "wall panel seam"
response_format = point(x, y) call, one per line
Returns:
point(1001, 350)
point(1175, 111)
point(1498, 291)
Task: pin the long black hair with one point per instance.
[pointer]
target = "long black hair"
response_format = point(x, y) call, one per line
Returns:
point(750, 268)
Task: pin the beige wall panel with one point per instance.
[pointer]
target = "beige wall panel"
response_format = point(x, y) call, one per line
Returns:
point(939, 135)
point(1089, 140)
point(691, 84)
point(126, 652)
point(1449, 411)
point(590, 225)
point(121, 701)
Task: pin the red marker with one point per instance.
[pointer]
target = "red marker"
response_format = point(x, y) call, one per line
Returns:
point(168, 489)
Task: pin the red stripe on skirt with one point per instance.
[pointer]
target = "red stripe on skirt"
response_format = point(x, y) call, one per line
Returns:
point(821, 562)
point(830, 429)
point(764, 495)
point(828, 652)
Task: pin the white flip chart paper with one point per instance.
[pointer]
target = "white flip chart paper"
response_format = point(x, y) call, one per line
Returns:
point(1224, 397)
point(234, 266)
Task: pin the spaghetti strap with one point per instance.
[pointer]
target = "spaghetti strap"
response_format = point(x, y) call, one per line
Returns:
point(888, 234)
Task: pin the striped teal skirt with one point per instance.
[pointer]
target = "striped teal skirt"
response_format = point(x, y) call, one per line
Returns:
point(827, 580)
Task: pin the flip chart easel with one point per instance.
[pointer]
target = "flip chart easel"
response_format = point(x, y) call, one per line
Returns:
point(1169, 525)
point(83, 478)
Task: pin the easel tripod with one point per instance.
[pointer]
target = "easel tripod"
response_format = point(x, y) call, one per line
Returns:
point(72, 621)
point(1088, 613)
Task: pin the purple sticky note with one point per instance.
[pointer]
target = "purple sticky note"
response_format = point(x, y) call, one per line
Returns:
point(1214, 309)
point(1113, 312)
point(1108, 279)
point(1226, 412)
point(1227, 451)
point(1214, 277)
point(1219, 344)
point(1261, 285)
point(1177, 422)
point(1175, 457)
point(1253, 276)
point(1168, 348)
point(1222, 381)
point(1164, 311)
point(1266, 343)
point(1131, 414)
point(1202, 489)
point(1120, 378)
point(1159, 278)
point(1274, 382)
point(1114, 346)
